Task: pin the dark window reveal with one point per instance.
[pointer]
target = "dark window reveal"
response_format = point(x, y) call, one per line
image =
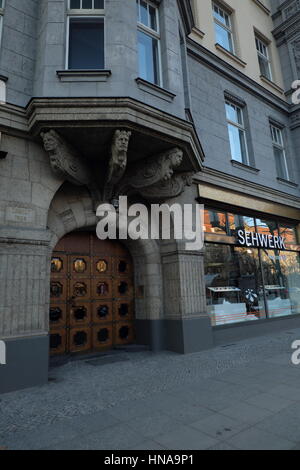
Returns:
point(86, 43)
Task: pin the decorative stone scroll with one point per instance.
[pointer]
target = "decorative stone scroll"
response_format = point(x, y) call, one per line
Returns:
point(155, 177)
point(168, 189)
point(65, 161)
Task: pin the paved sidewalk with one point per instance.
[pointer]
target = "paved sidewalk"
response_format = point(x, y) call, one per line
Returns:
point(240, 396)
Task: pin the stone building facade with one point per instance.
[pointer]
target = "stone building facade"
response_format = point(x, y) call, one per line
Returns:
point(107, 98)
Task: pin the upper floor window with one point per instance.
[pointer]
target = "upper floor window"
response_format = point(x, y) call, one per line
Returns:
point(86, 4)
point(279, 152)
point(85, 35)
point(263, 58)
point(223, 27)
point(149, 42)
point(237, 133)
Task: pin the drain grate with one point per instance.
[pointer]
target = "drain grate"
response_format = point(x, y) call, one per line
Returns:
point(102, 361)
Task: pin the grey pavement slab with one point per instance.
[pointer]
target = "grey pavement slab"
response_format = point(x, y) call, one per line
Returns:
point(219, 426)
point(269, 402)
point(256, 439)
point(247, 413)
point(244, 396)
point(186, 438)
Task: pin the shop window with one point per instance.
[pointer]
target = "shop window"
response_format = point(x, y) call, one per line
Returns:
point(149, 42)
point(215, 222)
point(233, 284)
point(237, 133)
point(223, 27)
point(281, 271)
point(267, 227)
point(279, 152)
point(262, 48)
point(288, 233)
point(240, 222)
point(85, 35)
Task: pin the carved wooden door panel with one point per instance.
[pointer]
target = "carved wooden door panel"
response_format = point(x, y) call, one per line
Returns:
point(91, 295)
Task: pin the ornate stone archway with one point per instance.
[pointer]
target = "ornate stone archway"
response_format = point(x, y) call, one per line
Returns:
point(72, 209)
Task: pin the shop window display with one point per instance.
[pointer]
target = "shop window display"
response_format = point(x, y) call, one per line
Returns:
point(249, 283)
point(215, 222)
point(233, 282)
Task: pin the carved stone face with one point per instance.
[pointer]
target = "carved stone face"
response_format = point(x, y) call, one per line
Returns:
point(122, 141)
point(50, 142)
point(176, 158)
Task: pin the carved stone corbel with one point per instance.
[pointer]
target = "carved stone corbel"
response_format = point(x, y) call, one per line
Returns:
point(169, 188)
point(117, 163)
point(64, 160)
point(151, 172)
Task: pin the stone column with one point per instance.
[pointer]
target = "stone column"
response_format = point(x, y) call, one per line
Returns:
point(188, 327)
point(24, 307)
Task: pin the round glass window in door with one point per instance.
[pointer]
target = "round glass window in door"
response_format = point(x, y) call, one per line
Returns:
point(102, 266)
point(56, 290)
point(56, 265)
point(80, 266)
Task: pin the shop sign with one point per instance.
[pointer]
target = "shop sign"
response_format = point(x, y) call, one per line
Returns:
point(260, 240)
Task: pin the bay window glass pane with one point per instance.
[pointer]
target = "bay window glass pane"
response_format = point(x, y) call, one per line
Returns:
point(239, 222)
point(87, 4)
point(278, 276)
point(75, 4)
point(148, 58)
point(86, 43)
point(233, 284)
point(223, 37)
point(215, 222)
point(267, 227)
point(99, 4)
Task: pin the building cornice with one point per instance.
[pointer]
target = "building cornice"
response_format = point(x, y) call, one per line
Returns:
point(210, 59)
point(229, 182)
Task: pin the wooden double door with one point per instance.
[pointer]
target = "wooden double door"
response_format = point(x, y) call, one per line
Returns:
point(91, 295)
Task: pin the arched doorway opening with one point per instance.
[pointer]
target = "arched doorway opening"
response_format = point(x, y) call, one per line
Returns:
point(91, 295)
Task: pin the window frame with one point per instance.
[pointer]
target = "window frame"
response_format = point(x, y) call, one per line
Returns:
point(83, 14)
point(280, 146)
point(156, 34)
point(266, 57)
point(239, 126)
point(229, 29)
